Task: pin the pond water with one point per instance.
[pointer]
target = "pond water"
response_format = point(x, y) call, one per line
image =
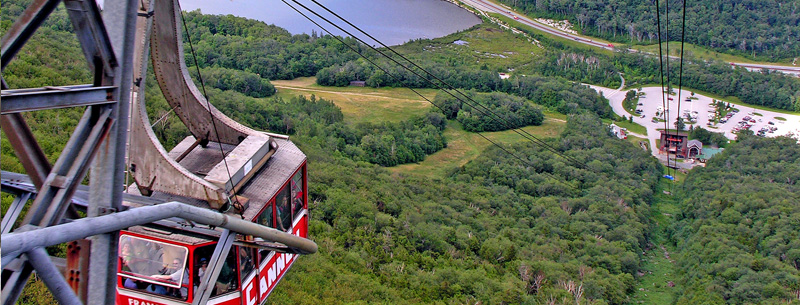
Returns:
point(391, 21)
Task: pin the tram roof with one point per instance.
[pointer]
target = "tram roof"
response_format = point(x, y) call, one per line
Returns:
point(278, 170)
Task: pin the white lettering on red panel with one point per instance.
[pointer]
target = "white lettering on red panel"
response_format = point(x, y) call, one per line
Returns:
point(248, 293)
point(275, 269)
point(132, 301)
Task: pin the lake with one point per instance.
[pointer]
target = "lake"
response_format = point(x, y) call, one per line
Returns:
point(391, 21)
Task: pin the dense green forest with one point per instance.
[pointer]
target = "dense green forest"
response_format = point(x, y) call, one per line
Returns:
point(459, 77)
point(269, 51)
point(497, 230)
point(489, 111)
point(739, 227)
point(766, 29)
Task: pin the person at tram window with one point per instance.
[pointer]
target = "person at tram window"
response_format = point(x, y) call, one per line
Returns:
point(284, 208)
point(138, 263)
point(154, 252)
point(202, 269)
point(125, 255)
point(176, 275)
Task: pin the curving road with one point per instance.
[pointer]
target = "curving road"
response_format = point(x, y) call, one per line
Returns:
point(486, 6)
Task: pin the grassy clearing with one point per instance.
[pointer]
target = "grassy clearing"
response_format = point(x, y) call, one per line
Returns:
point(463, 146)
point(487, 46)
point(361, 104)
point(634, 140)
point(701, 53)
point(779, 118)
point(658, 267)
point(365, 104)
point(652, 287)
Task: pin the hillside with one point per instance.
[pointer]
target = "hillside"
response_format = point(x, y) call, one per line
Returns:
point(738, 228)
point(757, 29)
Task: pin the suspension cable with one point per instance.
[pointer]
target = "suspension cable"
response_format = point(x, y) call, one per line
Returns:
point(661, 73)
point(680, 73)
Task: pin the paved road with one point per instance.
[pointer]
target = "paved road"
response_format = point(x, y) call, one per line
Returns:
point(487, 6)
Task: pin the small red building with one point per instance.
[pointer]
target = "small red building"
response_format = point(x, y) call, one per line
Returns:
point(674, 143)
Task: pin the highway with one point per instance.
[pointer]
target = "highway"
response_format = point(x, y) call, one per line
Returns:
point(486, 6)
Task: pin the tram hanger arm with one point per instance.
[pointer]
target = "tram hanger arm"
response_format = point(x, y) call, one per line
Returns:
point(16, 243)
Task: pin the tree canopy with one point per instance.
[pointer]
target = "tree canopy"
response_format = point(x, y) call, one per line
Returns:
point(767, 29)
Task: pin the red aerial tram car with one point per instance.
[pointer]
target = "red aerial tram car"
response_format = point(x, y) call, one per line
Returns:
point(164, 265)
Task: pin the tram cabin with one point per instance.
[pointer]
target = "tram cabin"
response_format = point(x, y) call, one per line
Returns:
point(165, 266)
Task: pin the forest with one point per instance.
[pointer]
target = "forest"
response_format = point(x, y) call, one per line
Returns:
point(268, 51)
point(556, 94)
point(525, 227)
point(756, 29)
point(361, 70)
point(494, 111)
point(738, 231)
point(497, 230)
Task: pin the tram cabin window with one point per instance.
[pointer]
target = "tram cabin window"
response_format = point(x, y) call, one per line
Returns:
point(297, 192)
point(153, 267)
point(227, 281)
point(284, 208)
point(265, 219)
point(246, 261)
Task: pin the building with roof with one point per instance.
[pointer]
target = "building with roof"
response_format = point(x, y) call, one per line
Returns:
point(675, 143)
point(708, 153)
point(694, 148)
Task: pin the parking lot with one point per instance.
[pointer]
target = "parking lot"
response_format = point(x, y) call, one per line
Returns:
point(702, 110)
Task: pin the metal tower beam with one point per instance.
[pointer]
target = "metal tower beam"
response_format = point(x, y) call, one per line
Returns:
point(16, 243)
point(58, 184)
point(203, 292)
point(108, 172)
